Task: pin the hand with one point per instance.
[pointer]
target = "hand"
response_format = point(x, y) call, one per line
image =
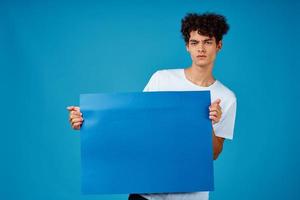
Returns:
point(75, 118)
point(215, 111)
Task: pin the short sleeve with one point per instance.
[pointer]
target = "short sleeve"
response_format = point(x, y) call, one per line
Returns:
point(153, 83)
point(225, 127)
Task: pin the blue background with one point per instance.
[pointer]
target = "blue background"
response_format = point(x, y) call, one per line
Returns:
point(51, 52)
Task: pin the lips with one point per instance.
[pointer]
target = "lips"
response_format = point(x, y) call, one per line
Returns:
point(201, 56)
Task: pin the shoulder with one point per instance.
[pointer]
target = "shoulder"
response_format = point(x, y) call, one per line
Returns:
point(227, 95)
point(165, 73)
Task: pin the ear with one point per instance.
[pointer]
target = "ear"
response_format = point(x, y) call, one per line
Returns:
point(219, 45)
point(187, 48)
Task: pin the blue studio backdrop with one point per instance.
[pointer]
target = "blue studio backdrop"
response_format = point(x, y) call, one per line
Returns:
point(51, 51)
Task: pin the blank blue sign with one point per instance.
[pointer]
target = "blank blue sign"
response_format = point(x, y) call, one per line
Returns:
point(151, 142)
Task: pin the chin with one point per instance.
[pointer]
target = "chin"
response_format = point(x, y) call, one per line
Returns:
point(202, 65)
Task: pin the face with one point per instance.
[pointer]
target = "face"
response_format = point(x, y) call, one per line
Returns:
point(203, 49)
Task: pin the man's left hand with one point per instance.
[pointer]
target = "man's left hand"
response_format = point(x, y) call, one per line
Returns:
point(215, 111)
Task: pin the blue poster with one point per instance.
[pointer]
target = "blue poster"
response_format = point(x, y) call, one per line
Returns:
point(146, 142)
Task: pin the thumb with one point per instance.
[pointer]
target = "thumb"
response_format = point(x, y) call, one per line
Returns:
point(217, 101)
point(71, 108)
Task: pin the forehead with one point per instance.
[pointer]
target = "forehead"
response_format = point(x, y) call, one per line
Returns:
point(194, 35)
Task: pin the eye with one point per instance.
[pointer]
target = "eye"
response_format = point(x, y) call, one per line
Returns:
point(208, 42)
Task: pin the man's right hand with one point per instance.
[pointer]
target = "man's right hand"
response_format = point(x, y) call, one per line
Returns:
point(75, 118)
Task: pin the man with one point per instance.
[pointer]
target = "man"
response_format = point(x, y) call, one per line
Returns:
point(202, 34)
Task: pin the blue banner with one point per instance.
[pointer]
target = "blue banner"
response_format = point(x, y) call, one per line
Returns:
point(151, 142)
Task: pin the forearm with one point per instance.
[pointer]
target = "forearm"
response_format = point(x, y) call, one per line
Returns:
point(217, 145)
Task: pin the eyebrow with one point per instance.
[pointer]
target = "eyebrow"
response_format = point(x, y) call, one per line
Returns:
point(193, 40)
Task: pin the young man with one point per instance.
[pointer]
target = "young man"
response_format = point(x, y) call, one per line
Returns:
point(203, 38)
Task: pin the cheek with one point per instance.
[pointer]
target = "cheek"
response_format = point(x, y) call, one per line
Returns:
point(194, 55)
point(193, 52)
point(212, 53)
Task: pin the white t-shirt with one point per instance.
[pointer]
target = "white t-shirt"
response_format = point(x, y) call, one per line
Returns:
point(175, 80)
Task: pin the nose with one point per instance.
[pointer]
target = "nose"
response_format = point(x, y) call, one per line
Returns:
point(201, 48)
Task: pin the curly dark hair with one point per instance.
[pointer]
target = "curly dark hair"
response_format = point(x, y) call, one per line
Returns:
point(208, 24)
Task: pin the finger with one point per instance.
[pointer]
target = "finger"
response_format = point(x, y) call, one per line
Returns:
point(74, 117)
point(76, 127)
point(216, 118)
point(215, 110)
point(77, 124)
point(76, 113)
point(75, 120)
point(213, 113)
point(70, 108)
point(217, 101)
point(213, 118)
point(76, 108)
point(219, 107)
point(213, 106)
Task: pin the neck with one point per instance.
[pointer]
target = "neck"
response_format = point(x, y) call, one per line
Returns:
point(201, 76)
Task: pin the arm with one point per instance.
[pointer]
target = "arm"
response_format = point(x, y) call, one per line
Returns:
point(215, 115)
point(217, 145)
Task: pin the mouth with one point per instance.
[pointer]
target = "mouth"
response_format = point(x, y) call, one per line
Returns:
point(201, 56)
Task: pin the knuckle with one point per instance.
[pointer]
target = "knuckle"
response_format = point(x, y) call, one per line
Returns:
point(73, 120)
